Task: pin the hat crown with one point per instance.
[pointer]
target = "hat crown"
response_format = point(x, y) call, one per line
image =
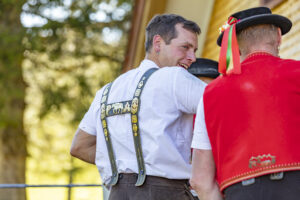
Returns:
point(257, 16)
point(251, 12)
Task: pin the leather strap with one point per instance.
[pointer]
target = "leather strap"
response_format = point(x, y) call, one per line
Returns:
point(111, 155)
point(135, 107)
point(119, 108)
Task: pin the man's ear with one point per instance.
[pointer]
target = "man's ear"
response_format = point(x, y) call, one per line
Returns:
point(156, 43)
point(279, 36)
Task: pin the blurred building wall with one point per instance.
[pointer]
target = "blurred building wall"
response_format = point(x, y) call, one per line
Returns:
point(290, 47)
point(210, 15)
point(195, 10)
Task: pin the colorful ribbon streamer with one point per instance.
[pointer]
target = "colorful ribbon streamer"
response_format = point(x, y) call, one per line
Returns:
point(229, 60)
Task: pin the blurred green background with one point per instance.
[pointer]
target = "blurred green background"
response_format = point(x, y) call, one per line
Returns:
point(54, 56)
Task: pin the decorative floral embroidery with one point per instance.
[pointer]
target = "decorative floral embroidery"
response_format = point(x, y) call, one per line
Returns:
point(261, 161)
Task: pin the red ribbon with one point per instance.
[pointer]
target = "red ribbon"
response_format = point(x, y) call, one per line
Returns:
point(232, 20)
point(230, 50)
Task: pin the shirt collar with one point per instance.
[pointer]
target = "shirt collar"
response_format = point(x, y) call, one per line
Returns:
point(257, 54)
point(147, 64)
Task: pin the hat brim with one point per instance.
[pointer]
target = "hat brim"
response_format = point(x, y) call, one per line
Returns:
point(204, 67)
point(208, 73)
point(282, 22)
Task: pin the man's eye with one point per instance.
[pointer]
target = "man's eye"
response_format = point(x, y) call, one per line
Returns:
point(185, 47)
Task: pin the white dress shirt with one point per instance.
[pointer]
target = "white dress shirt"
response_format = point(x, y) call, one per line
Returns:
point(168, 102)
point(200, 137)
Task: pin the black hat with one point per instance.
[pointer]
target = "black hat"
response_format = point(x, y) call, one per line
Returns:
point(256, 16)
point(204, 67)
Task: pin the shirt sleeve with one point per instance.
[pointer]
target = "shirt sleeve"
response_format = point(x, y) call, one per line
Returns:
point(188, 90)
point(88, 122)
point(200, 137)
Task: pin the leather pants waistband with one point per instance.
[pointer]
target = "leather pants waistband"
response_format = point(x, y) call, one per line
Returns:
point(272, 177)
point(152, 180)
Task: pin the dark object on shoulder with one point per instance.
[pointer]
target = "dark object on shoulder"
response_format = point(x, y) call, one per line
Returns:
point(204, 67)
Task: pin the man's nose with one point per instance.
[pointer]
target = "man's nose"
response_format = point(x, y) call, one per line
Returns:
point(191, 56)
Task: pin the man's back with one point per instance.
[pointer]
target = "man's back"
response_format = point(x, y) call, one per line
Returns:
point(267, 84)
point(258, 118)
point(168, 99)
point(167, 103)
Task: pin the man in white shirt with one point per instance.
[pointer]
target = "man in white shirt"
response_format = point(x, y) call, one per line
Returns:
point(138, 130)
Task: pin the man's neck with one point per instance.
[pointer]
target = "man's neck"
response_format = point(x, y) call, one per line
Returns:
point(260, 50)
point(152, 57)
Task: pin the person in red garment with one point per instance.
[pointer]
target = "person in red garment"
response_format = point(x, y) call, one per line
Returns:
point(247, 126)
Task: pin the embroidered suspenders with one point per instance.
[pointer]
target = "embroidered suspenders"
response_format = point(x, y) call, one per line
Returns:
point(119, 108)
point(114, 177)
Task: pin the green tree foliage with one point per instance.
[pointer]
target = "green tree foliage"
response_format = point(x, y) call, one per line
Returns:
point(79, 47)
point(76, 47)
point(12, 137)
point(75, 36)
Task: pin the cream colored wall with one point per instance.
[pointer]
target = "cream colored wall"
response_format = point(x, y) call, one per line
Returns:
point(290, 46)
point(196, 10)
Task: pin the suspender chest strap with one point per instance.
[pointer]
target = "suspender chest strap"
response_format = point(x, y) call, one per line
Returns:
point(119, 108)
point(104, 106)
point(135, 107)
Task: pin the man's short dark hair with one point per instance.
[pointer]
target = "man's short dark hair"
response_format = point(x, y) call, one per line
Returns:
point(164, 25)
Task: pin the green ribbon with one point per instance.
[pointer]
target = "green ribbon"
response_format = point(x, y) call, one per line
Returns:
point(228, 53)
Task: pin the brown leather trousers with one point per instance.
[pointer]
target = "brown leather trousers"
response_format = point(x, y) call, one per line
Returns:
point(154, 188)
